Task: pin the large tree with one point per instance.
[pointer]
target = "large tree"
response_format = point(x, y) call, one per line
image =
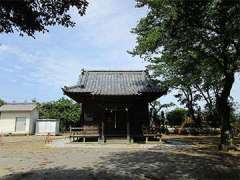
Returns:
point(30, 16)
point(203, 35)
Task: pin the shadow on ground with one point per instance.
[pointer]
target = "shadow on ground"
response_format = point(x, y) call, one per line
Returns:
point(181, 158)
point(156, 164)
point(176, 165)
point(60, 173)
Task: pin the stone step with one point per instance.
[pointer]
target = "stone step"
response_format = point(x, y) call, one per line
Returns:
point(117, 140)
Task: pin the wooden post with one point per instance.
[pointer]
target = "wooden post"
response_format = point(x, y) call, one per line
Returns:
point(48, 139)
point(103, 138)
point(1, 137)
point(128, 127)
point(160, 138)
point(82, 115)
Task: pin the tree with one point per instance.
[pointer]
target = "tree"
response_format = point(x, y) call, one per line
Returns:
point(1, 102)
point(156, 107)
point(199, 34)
point(30, 16)
point(63, 109)
point(176, 116)
point(188, 96)
point(157, 116)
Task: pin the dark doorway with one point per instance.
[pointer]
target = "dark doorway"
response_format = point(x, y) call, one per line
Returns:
point(115, 123)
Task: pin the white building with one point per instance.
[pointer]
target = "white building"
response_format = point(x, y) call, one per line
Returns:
point(18, 118)
point(47, 126)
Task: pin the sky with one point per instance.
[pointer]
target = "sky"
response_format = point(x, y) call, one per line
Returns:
point(38, 68)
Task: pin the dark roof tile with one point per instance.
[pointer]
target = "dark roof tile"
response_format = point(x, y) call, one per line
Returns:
point(114, 83)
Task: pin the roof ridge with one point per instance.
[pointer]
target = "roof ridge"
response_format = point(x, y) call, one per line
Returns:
point(21, 103)
point(113, 82)
point(115, 70)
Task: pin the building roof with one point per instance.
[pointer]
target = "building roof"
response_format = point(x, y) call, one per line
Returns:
point(18, 107)
point(110, 83)
point(48, 120)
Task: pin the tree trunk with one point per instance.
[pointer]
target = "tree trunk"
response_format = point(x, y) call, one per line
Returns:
point(190, 106)
point(223, 109)
point(192, 114)
point(189, 98)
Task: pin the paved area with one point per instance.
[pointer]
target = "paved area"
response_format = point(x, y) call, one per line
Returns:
point(180, 158)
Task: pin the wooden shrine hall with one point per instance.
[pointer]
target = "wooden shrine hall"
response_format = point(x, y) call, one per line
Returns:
point(114, 103)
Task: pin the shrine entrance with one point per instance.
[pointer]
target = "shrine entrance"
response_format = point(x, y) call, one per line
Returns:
point(115, 123)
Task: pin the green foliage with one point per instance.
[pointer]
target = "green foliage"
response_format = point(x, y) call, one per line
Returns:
point(64, 109)
point(190, 42)
point(157, 116)
point(30, 16)
point(176, 116)
point(156, 107)
point(1, 102)
point(235, 115)
point(211, 118)
point(193, 45)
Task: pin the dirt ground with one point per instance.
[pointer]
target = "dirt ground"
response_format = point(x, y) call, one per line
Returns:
point(178, 157)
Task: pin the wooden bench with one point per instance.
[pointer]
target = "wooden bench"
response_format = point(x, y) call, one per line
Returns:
point(83, 133)
point(151, 132)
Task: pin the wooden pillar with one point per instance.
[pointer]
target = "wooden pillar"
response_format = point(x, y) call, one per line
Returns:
point(102, 133)
point(82, 115)
point(146, 140)
point(128, 126)
point(160, 139)
point(148, 115)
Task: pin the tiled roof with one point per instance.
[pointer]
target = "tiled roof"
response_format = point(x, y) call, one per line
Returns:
point(114, 83)
point(18, 107)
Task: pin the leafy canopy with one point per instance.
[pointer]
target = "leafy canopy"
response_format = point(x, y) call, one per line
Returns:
point(180, 38)
point(192, 43)
point(176, 116)
point(30, 16)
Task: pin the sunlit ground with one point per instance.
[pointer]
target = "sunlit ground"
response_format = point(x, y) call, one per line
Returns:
point(179, 157)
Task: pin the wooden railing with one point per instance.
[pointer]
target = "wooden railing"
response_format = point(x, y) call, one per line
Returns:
point(77, 133)
point(151, 132)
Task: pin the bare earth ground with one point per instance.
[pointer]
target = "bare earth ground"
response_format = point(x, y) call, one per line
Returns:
point(182, 157)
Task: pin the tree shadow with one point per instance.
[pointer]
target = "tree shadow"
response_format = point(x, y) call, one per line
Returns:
point(157, 163)
point(210, 140)
point(60, 173)
point(191, 163)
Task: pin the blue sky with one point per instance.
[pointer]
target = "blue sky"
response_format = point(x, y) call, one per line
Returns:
point(38, 68)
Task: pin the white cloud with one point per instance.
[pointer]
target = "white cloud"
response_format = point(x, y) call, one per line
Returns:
point(56, 70)
point(99, 41)
point(108, 23)
point(48, 71)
